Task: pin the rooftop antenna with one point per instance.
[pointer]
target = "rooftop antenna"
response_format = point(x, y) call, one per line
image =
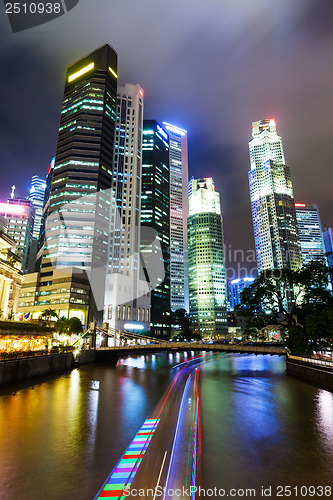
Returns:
point(12, 194)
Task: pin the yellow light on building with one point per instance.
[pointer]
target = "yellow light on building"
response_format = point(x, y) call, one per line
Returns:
point(81, 72)
point(113, 72)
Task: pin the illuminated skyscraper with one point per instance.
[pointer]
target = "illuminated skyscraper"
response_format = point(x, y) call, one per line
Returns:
point(77, 225)
point(78, 218)
point(155, 219)
point(36, 196)
point(310, 233)
point(178, 217)
point(272, 201)
point(37, 193)
point(207, 283)
point(126, 302)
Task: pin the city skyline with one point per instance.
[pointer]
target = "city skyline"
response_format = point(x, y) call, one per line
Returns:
point(258, 78)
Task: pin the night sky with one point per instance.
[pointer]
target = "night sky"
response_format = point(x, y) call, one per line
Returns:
point(209, 66)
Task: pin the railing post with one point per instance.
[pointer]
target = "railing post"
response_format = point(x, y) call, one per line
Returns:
point(92, 335)
point(105, 327)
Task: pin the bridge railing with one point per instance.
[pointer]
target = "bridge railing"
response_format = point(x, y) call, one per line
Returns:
point(312, 361)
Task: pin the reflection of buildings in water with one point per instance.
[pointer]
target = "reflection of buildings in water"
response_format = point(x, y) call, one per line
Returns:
point(325, 417)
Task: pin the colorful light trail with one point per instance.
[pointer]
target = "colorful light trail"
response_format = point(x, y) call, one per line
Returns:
point(122, 475)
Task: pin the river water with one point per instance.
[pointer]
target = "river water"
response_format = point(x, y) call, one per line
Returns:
point(61, 436)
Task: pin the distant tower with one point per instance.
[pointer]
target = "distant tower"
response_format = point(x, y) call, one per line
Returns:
point(272, 201)
point(37, 193)
point(235, 288)
point(178, 217)
point(328, 242)
point(46, 204)
point(155, 217)
point(310, 232)
point(207, 282)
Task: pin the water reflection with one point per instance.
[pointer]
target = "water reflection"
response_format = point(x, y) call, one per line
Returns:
point(60, 438)
point(325, 418)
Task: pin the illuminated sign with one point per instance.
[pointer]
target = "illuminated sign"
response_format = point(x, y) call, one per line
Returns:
point(133, 326)
point(81, 72)
point(148, 132)
point(162, 132)
point(113, 72)
point(300, 205)
point(272, 122)
point(141, 92)
point(14, 209)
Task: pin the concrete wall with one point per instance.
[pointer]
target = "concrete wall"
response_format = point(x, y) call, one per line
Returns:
point(21, 369)
point(315, 374)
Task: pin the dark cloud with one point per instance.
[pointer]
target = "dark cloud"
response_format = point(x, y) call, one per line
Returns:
point(210, 66)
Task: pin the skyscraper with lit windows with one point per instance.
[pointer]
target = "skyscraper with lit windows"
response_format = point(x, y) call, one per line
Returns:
point(178, 160)
point(20, 213)
point(155, 221)
point(272, 201)
point(127, 306)
point(75, 253)
point(78, 217)
point(310, 232)
point(207, 281)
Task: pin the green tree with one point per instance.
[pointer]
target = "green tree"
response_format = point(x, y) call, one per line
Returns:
point(299, 302)
point(68, 325)
point(48, 314)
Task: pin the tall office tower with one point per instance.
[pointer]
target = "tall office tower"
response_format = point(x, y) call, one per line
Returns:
point(46, 204)
point(310, 233)
point(19, 213)
point(178, 217)
point(235, 288)
point(155, 219)
point(328, 242)
point(76, 233)
point(126, 302)
point(37, 193)
point(272, 201)
point(78, 218)
point(207, 282)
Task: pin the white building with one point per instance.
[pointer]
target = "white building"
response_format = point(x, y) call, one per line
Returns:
point(127, 298)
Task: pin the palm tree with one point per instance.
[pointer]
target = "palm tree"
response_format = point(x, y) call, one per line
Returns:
point(48, 314)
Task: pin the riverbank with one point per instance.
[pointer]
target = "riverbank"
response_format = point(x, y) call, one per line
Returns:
point(311, 370)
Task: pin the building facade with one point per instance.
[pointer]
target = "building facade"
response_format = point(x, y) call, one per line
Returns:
point(328, 243)
point(155, 222)
point(178, 161)
point(11, 276)
point(310, 233)
point(235, 288)
point(272, 201)
point(36, 196)
point(127, 299)
point(77, 225)
point(207, 281)
point(19, 213)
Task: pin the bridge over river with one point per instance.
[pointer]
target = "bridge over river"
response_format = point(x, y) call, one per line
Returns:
point(198, 346)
